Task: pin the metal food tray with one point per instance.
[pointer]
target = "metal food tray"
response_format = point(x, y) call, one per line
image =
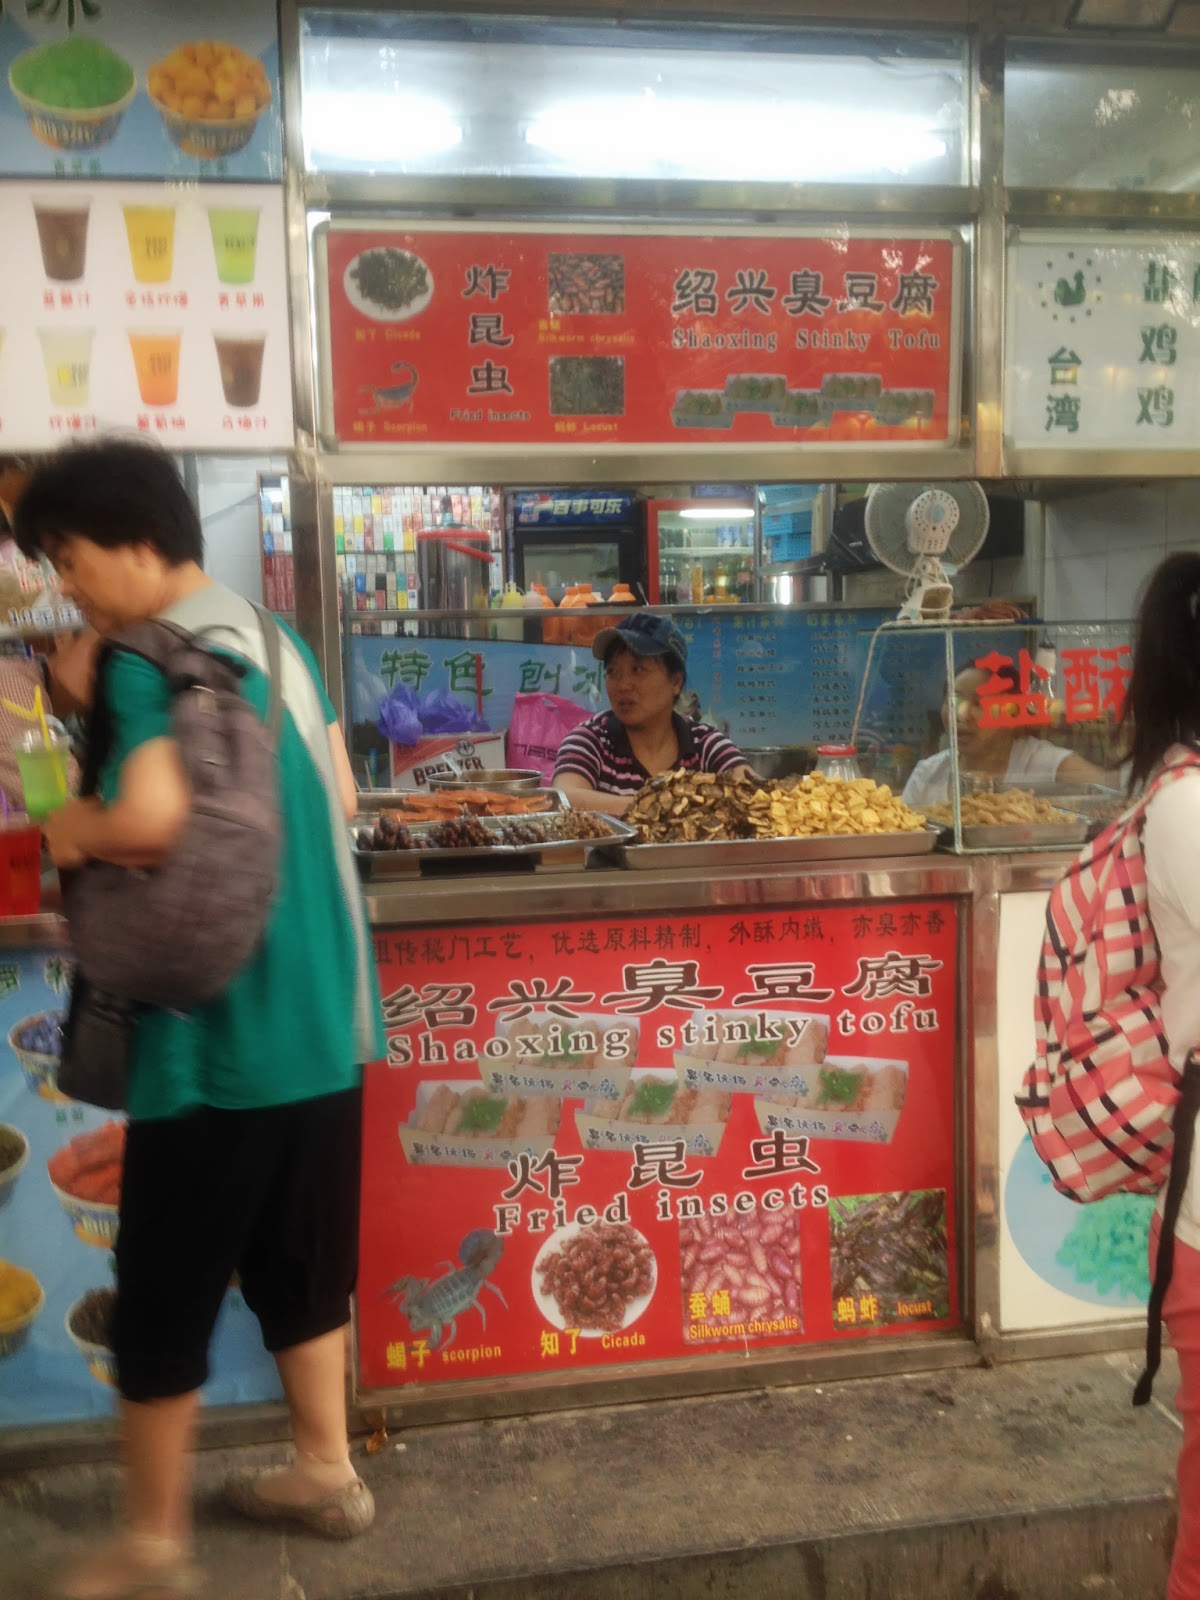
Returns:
point(372, 800)
point(779, 852)
point(556, 855)
point(1019, 835)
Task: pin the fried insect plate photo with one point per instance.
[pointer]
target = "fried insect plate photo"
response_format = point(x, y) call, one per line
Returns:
point(598, 1279)
point(890, 1251)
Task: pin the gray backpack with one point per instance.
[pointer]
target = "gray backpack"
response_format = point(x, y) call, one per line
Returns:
point(176, 935)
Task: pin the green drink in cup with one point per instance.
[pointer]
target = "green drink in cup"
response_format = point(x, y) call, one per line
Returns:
point(43, 769)
point(235, 242)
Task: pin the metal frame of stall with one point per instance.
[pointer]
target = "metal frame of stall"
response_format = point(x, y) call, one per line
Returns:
point(985, 213)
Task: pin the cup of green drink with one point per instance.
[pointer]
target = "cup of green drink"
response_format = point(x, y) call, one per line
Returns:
point(42, 762)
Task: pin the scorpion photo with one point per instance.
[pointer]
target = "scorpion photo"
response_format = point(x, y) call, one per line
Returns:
point(435, 1305)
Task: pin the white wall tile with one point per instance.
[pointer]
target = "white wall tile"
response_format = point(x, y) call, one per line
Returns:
point(1113, 519)
point(1183, 513)
point(1127, 572)
point(1075, 589)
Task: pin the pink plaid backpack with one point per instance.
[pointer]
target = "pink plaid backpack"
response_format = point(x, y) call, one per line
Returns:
point(1100, 1097)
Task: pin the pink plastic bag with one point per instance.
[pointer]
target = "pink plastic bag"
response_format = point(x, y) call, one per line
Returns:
point(540, 723)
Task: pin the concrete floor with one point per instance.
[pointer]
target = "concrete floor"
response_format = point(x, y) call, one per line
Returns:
point(1032, 1481)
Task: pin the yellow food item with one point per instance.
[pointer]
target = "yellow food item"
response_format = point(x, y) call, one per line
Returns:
point(20, 1292)
point(209, 81)
point(1010, 806)
point(816, 804)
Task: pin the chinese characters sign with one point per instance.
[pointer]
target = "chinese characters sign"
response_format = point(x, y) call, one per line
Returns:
point(1103, 341)
point(1022, 694)
point(148, 308)
point(734, 664)
point(536, 337)
point(638, 1139)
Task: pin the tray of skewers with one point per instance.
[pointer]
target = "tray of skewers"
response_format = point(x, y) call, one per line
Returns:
point(392, 843)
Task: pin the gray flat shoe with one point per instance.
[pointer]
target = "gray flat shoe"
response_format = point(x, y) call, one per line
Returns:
point(343, 1515)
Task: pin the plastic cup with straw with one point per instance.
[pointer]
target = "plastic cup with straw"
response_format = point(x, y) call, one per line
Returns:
point(42, 752)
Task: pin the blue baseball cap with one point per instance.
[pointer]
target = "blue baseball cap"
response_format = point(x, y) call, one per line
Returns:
point(645, 635)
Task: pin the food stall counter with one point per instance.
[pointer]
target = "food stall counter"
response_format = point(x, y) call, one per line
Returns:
point(668, 1131)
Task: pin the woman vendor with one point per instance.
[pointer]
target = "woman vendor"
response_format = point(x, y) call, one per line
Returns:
point(604, 763)
point(985, 750)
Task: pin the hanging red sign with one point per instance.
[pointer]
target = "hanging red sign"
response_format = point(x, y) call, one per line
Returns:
point(638, 1139)
point(466, 336)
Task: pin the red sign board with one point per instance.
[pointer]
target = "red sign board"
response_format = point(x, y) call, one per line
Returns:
point(567, 338)
point(1095, 684)
point(640, 1139)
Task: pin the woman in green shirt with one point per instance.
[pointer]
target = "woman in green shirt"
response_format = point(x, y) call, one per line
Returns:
point(243, 1145)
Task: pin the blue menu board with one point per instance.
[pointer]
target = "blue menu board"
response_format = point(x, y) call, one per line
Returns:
point(766, 677)
point(56, 1236)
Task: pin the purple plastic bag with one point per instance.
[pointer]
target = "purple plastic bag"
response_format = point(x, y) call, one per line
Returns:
point(399, 717)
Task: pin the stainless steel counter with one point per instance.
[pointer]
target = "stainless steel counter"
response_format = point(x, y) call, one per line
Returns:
point(513, 897)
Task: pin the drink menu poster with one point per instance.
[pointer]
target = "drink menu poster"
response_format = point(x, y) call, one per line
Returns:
point(596, 1143)
point(140, 89)
point(536, 337)
point(146, 307)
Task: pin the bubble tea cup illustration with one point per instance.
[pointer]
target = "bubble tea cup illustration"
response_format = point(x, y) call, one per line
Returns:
point(67, 356)
point(235, 242)
point(240, 358)
point(151, 234)
point(156, 362)
point(62, 227)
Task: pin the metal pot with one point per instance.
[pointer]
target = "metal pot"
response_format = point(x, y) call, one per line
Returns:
point(500, 780)
point(780, 760)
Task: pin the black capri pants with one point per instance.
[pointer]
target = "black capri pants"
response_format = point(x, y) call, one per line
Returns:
point(271, 1194)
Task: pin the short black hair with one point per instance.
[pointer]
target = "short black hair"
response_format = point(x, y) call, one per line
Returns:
point(114, 492)
point(668, 658)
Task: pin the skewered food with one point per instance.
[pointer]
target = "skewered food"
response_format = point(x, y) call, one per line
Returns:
point(463, 831)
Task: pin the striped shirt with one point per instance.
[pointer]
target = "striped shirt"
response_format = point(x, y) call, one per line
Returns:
point(599, 752)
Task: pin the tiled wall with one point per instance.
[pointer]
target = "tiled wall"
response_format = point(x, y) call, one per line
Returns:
point(1101, 547)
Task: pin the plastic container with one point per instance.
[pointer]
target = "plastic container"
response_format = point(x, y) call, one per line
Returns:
point(512, 600)
point(568, 627)
point(20, 867)
point(838, 761)
point(43, 769)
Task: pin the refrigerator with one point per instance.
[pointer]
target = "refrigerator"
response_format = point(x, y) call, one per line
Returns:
point(701, 550)
point(565, 537)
